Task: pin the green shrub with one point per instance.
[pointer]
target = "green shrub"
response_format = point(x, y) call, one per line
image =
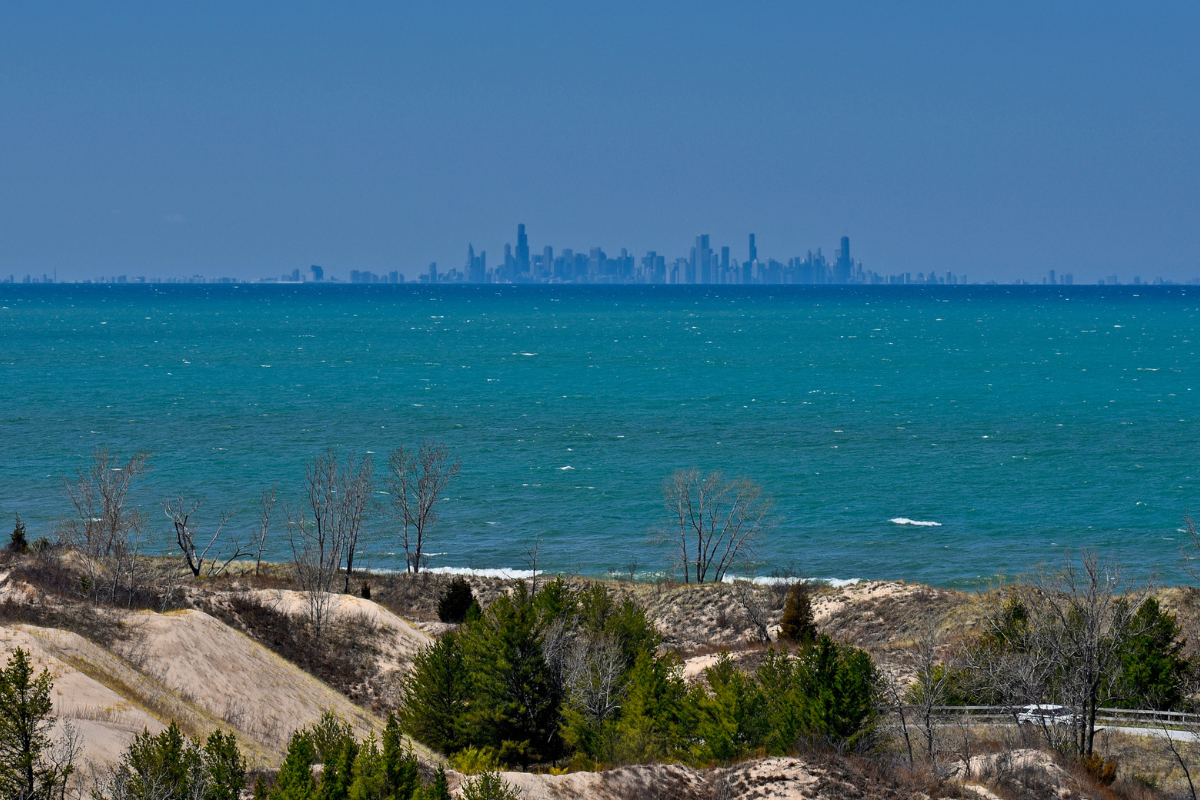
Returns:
point(169, 766)
point(796, 624)
point(474, 760)
point(456, 601)
point(489, 786)
point(1154, 671)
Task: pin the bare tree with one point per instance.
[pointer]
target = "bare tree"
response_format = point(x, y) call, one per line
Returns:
point(99, 494)
point(415, 482)
point(714, 522)
point(931, 688)
point(182, 513)
point(1084, 622)
point(756, 608)
point(337, 493)
point(531, 561)
point(324, 532)
point(266, 506)
point(105, 527)
point(1191, 733)
point(593, 676)
point(317, 557)
point(1075, 623)
point(891, 690)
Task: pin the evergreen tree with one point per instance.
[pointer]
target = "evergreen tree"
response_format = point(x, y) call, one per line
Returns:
point(457, 599)
point(1154, 672)
point(25, 723)
point(652, 720)
point(488, 786)
point(329, 736)
point(785, 704)
point(400, 765)
point(730, 719)
point(295, 780)
point(225, 766)
point(797, 623)
point(516, 703)
point(338, 773)
point(369, 773)
point(18, 543)
point(841, 686)
point(436, 694)
point(438, 788)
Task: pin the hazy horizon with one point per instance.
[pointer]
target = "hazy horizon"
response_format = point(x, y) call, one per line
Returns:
point(1000, 142)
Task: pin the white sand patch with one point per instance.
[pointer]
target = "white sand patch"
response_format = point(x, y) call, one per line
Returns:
point(106, 721)
point(236, 679)
point(826, 605)
point(693, 668)
point(398, 644)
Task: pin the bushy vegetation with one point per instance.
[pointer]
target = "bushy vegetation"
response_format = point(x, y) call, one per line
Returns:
point(796, 624)
point(352, 769)
point(170, 766)
point(457, 601)
point(562, 673)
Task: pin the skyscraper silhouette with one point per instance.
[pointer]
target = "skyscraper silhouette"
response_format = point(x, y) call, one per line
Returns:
point(841, 267)
point(522, 251)
point(703, 264)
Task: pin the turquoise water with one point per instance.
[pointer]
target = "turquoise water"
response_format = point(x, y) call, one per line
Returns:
point(1024, 420)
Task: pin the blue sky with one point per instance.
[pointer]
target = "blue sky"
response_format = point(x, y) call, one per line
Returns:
point(1000, 140)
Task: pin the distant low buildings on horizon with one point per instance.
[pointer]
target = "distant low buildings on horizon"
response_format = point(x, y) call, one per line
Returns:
point(704, 265)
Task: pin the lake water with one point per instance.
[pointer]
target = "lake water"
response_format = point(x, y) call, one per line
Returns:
point(1024, 421)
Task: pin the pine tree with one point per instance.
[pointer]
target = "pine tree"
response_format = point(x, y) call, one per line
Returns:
point(438, 788)
point(400, 765)
point(25, 723)
point(338, 772)
point(456, 601)
point(1155, 672)
point(436, 693)
point(19, 543)
point(295, 781)
point(516, 704)
point(797, 623)
point(225, 766)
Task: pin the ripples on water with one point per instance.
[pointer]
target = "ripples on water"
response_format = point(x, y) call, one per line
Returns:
point(1021, 420)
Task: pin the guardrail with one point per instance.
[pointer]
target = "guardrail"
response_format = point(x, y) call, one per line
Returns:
point(1132, 717)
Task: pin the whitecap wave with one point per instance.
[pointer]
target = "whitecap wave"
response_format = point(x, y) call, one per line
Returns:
point(917, 522)
point(508, 574)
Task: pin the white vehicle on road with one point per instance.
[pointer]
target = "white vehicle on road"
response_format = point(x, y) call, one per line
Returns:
point(1044, 714)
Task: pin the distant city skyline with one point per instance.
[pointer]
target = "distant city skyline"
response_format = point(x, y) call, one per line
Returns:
point(702, 265)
